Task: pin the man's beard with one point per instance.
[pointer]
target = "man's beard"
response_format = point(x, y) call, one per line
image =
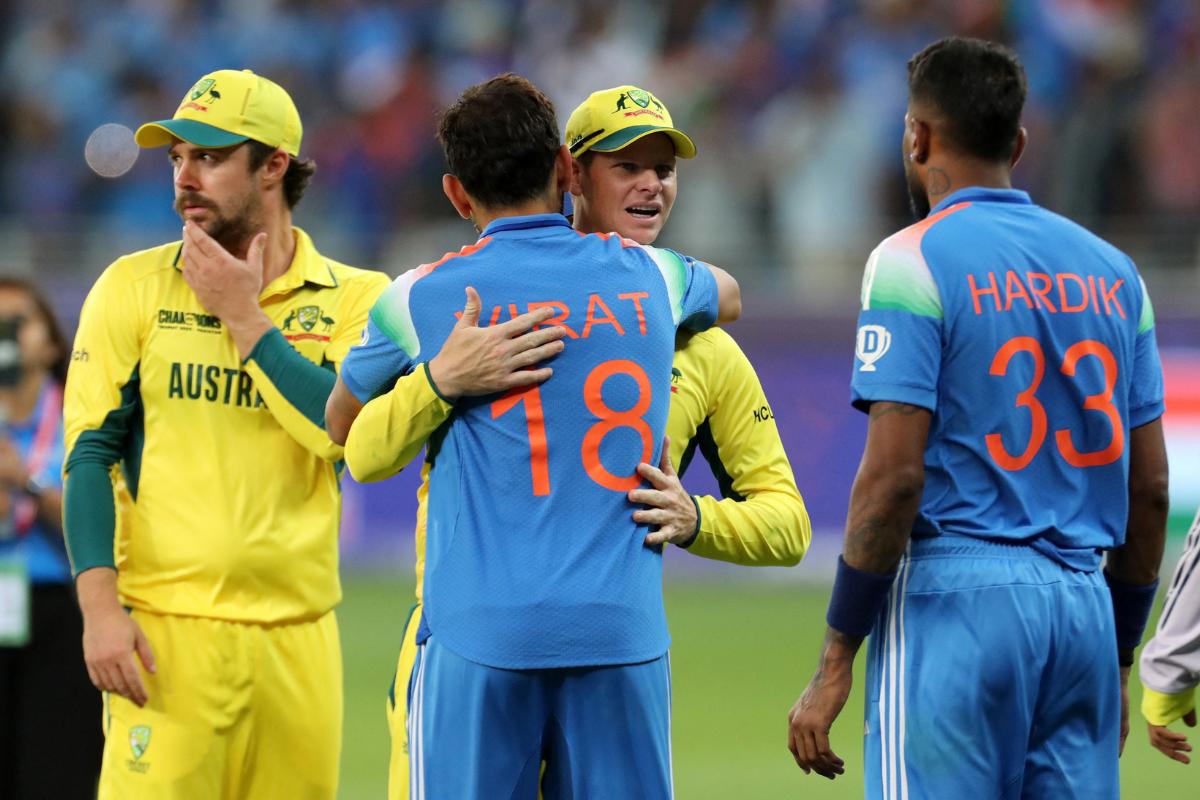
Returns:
point(918, 199)
point(232, 232)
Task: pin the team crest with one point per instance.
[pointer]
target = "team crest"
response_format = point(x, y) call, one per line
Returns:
point(640, 96)
point(308, 316)
point(203, 87)
point(139, 740)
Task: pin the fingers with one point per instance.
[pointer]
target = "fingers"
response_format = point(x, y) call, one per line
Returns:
point(648, 497)
point(1170, 744)
point(520, 324)
point(794, 748)
point(258, 246)
point(653, 516)
point(664, 461)
point(113, 680)
point(198, 239)
point(144, 651)
point(470, 315)
point(654, 475)
point(537, 355)
point(135, 689)
point(526, 377)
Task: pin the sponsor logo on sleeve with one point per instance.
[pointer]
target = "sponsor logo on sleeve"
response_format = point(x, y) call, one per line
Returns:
point(873, 343)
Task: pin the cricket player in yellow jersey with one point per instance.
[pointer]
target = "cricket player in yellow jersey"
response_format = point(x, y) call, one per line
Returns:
point(196, 397)
point(625, 147)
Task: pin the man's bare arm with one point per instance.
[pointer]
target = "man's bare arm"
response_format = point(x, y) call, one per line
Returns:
point(729, 295)
point(883, 504)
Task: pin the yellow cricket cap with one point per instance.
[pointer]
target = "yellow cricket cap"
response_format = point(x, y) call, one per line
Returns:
point(614, 118)
point(225, 108)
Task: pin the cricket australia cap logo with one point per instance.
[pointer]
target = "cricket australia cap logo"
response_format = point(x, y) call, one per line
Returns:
point(139, 740)
point(206, 86)
point(873, 343)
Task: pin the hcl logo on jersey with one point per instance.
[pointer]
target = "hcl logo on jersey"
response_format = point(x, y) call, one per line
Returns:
point(873, 342)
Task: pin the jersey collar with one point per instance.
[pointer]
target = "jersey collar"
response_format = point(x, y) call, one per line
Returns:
point(980, 194)
point(530, 222)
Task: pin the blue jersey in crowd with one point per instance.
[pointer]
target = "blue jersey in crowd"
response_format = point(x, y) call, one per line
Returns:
point(1032, 342)
point(39, 441)
point(533, 558)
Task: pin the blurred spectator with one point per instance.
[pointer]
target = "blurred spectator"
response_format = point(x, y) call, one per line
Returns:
point(50, 739)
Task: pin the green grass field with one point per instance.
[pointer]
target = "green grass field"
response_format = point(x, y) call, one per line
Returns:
point(742, 653)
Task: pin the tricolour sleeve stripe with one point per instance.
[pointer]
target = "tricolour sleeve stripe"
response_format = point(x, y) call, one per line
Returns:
point(1146, 321)
point(674, 273)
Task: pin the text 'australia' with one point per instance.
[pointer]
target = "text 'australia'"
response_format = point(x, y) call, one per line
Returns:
point(214, 384)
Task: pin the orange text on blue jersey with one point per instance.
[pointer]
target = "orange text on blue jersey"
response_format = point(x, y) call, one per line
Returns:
point(598, 313)
point(1060, 293)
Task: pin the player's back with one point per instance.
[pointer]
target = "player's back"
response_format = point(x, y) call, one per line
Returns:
point(533, 557)
point(1032, 341)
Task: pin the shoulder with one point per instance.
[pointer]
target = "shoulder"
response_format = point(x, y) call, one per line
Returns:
point(898, 274)
point(131, 274)
point(144, 264)
point(714, 359)
point(713, 343)
point(357, 278)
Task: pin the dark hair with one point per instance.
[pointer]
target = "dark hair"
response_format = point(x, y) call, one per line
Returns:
point(979, 89)
point(295, 180)
point(500, 138)
point(58, 368)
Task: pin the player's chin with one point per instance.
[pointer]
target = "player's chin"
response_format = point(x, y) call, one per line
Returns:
point(643, 228)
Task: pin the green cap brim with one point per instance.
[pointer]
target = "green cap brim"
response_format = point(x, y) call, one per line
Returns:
point(684, 147)
point(166, 131)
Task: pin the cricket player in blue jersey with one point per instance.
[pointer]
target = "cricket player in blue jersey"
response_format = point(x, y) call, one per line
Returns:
point(543, 635)
point(1007, 360)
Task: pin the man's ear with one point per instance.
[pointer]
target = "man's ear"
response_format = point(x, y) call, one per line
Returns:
point(274, 168)
point(577, 170)
point(564, 170)
point(457, 195)
point(921, 137)
point(1019, 149)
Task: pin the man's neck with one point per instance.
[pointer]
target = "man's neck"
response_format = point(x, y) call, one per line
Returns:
point(951, 175)
point(482, 217)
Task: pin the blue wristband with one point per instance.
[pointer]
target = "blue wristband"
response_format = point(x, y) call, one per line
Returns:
point(857, 598)
point(1131, 609)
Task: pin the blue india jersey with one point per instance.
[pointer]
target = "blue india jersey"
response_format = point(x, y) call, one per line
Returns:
point(1032, 342)
point(533, 558)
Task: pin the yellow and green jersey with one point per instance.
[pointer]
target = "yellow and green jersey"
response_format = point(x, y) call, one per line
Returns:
point(226, 483)
point(717, 407)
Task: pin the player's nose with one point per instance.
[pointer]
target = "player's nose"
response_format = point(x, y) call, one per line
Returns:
point(186, 175)
point(648, 181)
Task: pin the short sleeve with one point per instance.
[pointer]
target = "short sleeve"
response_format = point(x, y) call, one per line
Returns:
point(374, 364)
point(691, 286)
point(1146, 381)
point(898, 345)
point(389, 346)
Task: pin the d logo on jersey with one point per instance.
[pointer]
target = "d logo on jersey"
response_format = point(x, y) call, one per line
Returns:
point(873, 342)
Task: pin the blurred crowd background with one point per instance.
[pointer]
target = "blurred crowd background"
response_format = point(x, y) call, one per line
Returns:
point(796, 106)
